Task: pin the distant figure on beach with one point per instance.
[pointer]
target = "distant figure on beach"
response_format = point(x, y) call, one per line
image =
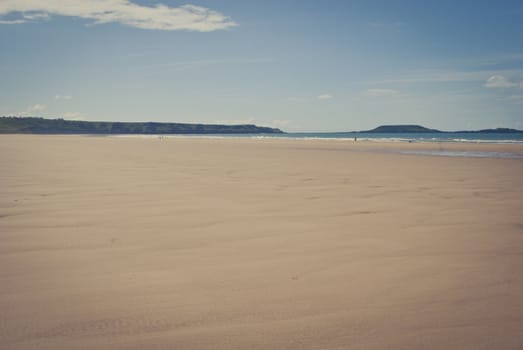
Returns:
point(355, 139)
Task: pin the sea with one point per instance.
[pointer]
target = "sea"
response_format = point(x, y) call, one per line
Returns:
point(503, 138)
point(406, 138)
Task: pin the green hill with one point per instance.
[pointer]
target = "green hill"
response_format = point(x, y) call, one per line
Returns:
point(31, 125)
point(389, 129)
point(500, 131)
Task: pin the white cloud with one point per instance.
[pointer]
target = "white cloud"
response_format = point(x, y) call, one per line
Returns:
point(36, 16)
point(73, 116)
point(234, 121)
point(32, 110)
point(295, 99)
point(445, 75)
point(499, 81)
point(278, 123)
point(63, 97)
point(517, 99)
point(381, 92)
point(14, 21)
point(160, 17)
point(324, 97)
point(37, 108)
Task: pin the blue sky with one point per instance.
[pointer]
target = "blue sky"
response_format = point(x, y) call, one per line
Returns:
point(297, 65)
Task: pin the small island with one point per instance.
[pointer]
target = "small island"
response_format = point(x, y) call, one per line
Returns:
point(418, 129)
point(389, 129)
point(34, 125)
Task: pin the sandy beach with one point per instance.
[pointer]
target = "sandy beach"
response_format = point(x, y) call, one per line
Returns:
point(195, 243)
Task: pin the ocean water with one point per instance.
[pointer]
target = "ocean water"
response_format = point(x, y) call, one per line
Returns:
point(506, 138)
point(501, 138)
point(489, 138)
point(406, 138)
point(469, 154)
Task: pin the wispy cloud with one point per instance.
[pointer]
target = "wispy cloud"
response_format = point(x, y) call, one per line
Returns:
point(445, 76)
point(499, 81)
point(234, 121)
point(517, 99)
point(13, 21)
point(203, 63)
point(36, 16)
point(63, 97)
point(37, 108)
point(279, 123)
point(295, 99)
point(73, 116)
point(32, 110)
point(324, 97)
point(159, 17)
point(381, 92)
point(498, 59)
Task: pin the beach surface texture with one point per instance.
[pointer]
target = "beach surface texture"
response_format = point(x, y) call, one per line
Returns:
point(230, 243)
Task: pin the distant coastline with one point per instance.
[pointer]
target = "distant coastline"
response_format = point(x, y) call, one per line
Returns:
point(391, 129)
point(37, 125)
point(34, 125)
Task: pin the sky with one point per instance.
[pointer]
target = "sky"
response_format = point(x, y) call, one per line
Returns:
point(296, 65)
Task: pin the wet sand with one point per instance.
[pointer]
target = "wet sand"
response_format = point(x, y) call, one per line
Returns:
point(142, 243)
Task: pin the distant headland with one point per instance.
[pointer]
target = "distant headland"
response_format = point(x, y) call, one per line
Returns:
point(37, 125)
point(33, 125)
point(391, 129)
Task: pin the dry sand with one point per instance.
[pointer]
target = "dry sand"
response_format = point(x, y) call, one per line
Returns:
point(141, 243)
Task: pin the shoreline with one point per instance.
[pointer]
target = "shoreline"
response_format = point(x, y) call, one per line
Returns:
point(319, 138)
point(377, 137)
point(418, 148)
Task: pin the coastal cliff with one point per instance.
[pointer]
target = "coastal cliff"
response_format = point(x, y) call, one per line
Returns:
point(32, 125)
